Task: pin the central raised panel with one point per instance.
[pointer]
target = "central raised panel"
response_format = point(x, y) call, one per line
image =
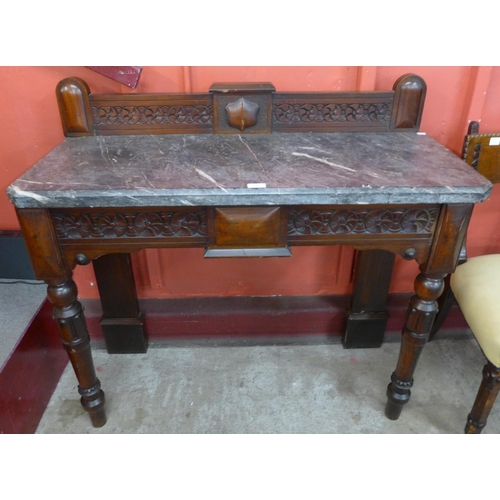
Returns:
point(247, 232)
point(247, 226)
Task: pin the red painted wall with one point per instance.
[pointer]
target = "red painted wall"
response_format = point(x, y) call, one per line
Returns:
point(456, 95)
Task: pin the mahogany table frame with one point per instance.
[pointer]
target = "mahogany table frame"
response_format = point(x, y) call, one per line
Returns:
point(54, 257)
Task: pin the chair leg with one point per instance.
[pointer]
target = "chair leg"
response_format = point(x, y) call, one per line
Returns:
point(488, 390)
point(445, 303)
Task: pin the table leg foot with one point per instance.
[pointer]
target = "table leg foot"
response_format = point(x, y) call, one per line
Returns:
point(485, 399)
point(472, 427)
point(68, 313)
point(398, 394)
point(93, 402)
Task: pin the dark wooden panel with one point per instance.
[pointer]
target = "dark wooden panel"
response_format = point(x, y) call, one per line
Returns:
point(86, 234)
point(367, 315)
point(152, 113)
point(320, 222)
point(242, 108)
point(114, 275)
point(247, 226)
point(247, 232)
point(332, 112)
point(122, 321)
point(120, 223)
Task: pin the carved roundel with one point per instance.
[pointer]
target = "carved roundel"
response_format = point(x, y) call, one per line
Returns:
point(417, 221)
point(148, 224)
point(344, 221)
point(185, 224)
point(308, 222)
point(112, 225)
point(76, 226)
point(380, 221)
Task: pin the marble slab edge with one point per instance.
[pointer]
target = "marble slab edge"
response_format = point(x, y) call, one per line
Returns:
point(247, 197)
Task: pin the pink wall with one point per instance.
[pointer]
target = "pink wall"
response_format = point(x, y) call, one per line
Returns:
point(456, 95)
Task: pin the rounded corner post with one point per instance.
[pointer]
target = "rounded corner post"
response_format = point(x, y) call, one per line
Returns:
point(74, 106)
point(409, 98)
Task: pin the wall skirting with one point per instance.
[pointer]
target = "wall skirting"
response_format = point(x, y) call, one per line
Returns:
point(257, 320)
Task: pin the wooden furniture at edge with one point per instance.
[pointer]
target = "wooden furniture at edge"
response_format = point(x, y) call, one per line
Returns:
point(261, 230)
point(475, 286)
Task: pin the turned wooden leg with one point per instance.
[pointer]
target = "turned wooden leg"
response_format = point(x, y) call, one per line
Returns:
point(488, 390)
point(68, 313)
point(420, 316)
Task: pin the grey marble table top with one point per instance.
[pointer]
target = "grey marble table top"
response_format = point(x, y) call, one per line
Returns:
point(275, 169)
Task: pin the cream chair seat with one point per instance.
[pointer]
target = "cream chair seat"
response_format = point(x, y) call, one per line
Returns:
point(476, 286)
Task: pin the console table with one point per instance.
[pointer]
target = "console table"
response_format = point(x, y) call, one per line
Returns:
point(242, 171)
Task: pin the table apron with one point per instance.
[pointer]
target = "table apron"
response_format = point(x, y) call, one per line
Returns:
point(407, 230)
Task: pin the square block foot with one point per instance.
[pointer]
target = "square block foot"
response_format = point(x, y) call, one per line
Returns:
point(364, 330)
point(124, 335)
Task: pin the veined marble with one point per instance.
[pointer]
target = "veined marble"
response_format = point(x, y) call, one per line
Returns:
point(207, 170)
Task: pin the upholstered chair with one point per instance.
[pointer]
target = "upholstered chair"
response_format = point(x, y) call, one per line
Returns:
point(476, 286)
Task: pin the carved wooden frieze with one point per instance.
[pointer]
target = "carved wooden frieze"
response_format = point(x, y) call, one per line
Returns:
point(409, 221)
point(112, 225)
point(226, 109)
point(331, 112)
point(193, 224)
point(151, 115)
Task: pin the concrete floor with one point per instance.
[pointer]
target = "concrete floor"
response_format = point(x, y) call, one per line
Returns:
point(273, 390)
